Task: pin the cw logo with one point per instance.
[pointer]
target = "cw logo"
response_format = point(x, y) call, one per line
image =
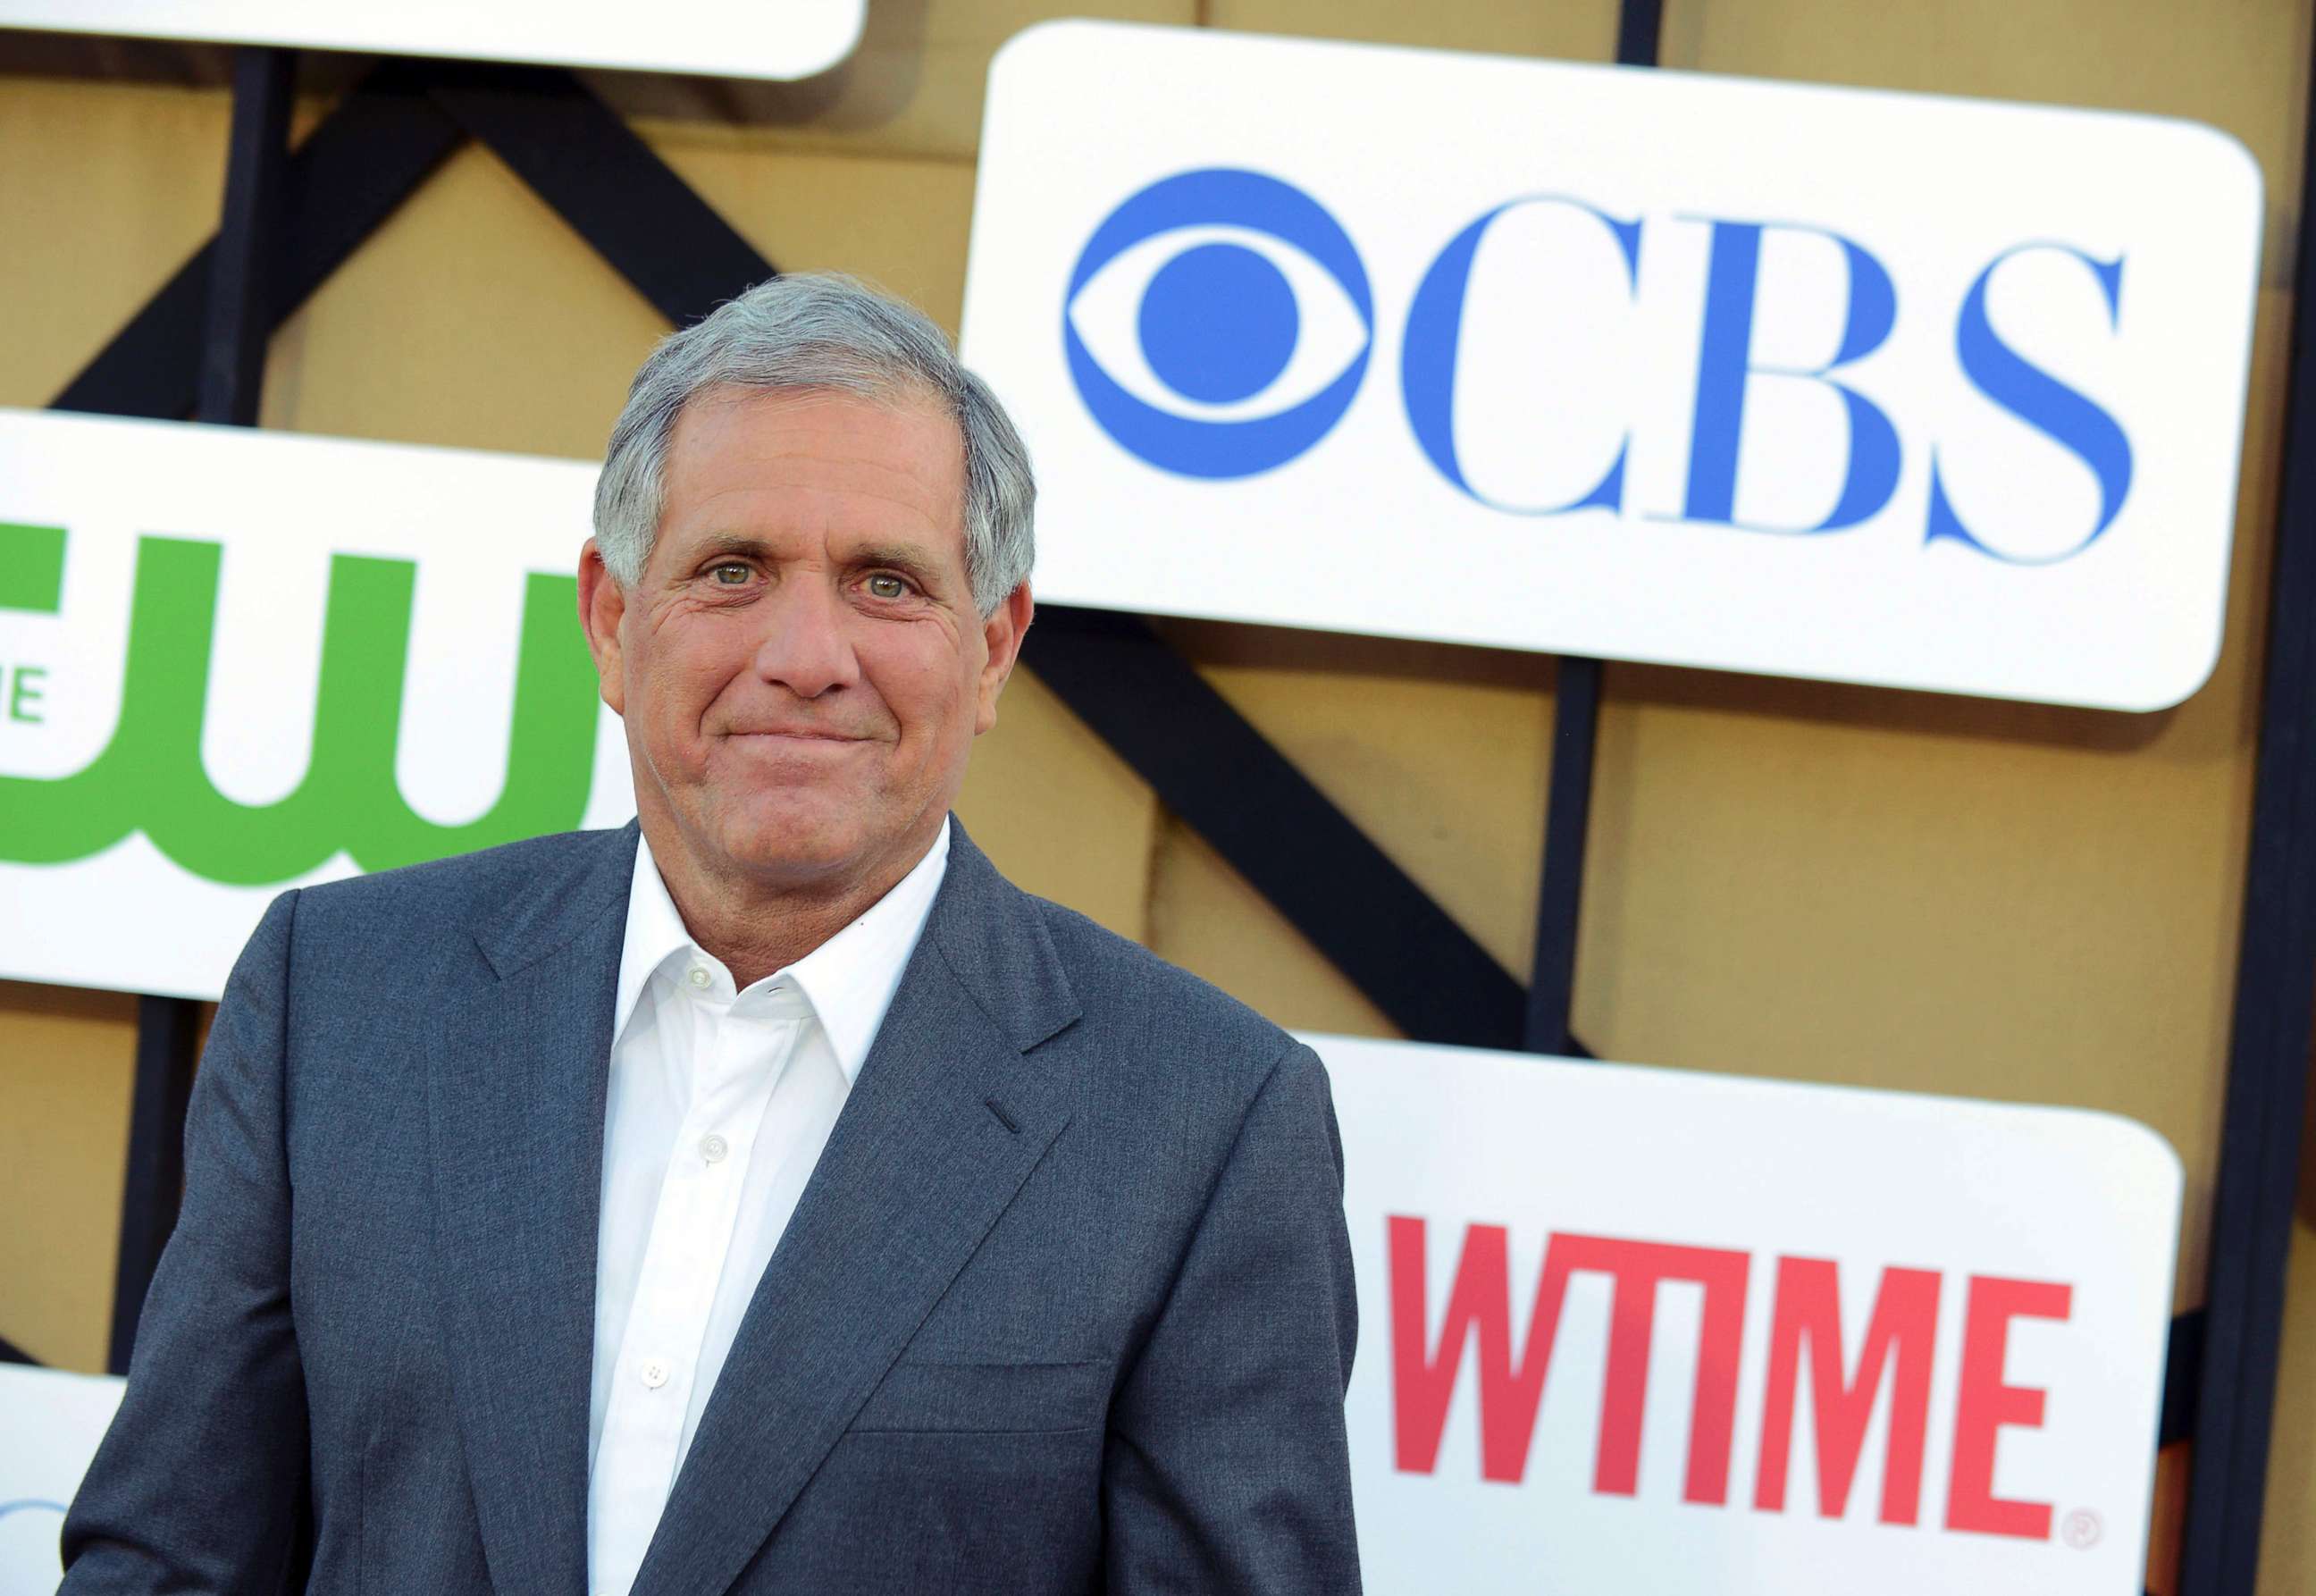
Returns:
point(1218, 323)
point(151, 777)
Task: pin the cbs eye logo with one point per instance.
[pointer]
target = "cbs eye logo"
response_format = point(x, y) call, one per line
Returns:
point(1218, 323)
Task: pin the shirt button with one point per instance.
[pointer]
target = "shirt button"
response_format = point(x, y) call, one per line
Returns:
point(655, 1373)
point(712, 1147)
point(699, 976)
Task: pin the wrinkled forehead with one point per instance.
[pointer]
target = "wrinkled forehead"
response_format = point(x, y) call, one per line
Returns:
point(815, 460)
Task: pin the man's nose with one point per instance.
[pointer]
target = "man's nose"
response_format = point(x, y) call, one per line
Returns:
point(805, 645)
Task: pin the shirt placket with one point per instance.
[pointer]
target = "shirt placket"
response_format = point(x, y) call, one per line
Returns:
point(738, 1058)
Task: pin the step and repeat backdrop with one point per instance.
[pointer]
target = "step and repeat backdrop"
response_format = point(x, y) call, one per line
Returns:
point(1856, 386)
point(1629, 1332)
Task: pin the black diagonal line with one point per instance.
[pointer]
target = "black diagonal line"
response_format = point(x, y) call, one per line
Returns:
point(383, 141)
point(1281, 833)
point(577, 154)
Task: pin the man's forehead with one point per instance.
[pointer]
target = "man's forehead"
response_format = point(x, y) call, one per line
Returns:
point(813, 473)
point(865, 545)
point(816, 444)
point(809, 420)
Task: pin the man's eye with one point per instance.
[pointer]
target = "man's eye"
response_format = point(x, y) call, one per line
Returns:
point(886, 585)
point(731, 573)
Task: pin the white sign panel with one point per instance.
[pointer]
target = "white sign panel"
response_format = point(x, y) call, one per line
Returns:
point(50, 1424)
point(1815, 382)
point(773, 38)
point(1627, 1332)
point(233, 662)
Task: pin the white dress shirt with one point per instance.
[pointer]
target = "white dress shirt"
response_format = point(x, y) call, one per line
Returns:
point(719, 1105)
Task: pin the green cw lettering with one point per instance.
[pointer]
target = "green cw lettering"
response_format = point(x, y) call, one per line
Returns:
point(150, 775)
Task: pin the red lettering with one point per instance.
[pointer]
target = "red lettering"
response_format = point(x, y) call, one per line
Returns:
point(1639, 1267)
point(1421, 1385)
point(1480, 1298)
point(1986, 1406)
point(1903, 1330)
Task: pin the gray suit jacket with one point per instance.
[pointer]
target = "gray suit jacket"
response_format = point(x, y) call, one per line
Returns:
point(1066, 1305)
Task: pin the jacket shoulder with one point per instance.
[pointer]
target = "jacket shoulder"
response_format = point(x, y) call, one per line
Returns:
point(454, 892)
point(1140, 1005)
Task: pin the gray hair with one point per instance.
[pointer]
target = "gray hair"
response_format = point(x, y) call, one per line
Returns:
point(819, 330)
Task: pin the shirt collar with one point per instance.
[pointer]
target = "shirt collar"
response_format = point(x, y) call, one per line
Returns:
point(850, 980)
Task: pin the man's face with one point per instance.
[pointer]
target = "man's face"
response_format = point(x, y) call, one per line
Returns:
point(801, 666)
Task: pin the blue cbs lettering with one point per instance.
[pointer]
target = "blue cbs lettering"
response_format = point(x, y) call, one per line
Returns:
point(1219, 321)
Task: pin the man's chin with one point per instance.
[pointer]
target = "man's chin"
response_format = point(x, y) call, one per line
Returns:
point(787, 855)
point(799, 843)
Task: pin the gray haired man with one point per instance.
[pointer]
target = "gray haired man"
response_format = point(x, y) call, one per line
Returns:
point(766, 1196)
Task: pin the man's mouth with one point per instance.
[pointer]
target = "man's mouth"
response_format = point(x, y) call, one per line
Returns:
point(786, 734)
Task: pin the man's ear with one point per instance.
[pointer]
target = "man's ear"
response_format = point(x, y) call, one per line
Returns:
point(601, 603)
point(1003, 632)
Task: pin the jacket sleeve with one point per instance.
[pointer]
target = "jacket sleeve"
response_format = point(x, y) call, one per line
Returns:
point(202, 1479)
point(1226, 1467)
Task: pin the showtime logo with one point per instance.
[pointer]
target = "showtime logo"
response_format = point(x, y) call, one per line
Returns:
point(1898, 1351)
point(1776, 1339)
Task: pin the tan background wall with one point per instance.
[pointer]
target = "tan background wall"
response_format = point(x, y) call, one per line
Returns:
point(1785, 879)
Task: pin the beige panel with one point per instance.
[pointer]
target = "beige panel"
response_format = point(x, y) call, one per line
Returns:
point(2174, 1473)
point(65, 1064)
point(1440, 754)
point(408, 340)
point(474, 317)
point(1059, 813)
point(1206, 918)
point(913, 87)
point(903, 223)
point(2240, 66)
point(1585, 31)
point(106, 189)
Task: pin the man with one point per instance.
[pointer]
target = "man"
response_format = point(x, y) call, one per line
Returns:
point(776, 1199)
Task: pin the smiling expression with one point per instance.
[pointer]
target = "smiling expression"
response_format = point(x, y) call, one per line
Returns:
point(801, 666)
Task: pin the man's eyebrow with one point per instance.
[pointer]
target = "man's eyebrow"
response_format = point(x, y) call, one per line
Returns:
point(722, 543)
point(901, 556)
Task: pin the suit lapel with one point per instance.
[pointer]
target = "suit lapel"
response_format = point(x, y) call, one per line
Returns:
point(917, 1169)
point(515, 1106)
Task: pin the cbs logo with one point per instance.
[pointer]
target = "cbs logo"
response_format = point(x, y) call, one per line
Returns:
point(1218, 323)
